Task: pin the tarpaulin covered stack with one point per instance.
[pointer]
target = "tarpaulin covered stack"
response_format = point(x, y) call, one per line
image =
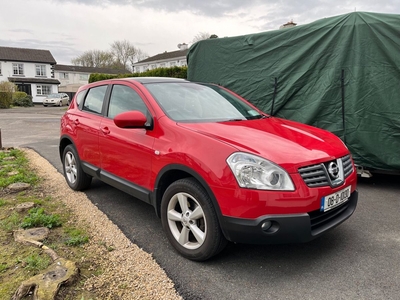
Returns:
point(340, 73)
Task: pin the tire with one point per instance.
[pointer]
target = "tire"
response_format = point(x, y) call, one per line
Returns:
point(44, 105)
point(190, 222)
point(73, 173)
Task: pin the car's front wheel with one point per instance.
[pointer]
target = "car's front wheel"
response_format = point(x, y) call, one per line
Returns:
point(76, 178)
point(190, 222)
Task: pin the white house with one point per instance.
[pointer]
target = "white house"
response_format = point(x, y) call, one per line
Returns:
point(163, 60)
point(73, 77)
point(30, 69)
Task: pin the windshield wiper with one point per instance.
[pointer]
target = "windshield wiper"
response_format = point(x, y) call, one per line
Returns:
point(234, 120)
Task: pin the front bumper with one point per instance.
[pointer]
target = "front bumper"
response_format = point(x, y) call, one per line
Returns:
point(291, 228)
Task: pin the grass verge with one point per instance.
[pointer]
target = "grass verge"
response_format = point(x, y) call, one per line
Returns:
point(19, 262)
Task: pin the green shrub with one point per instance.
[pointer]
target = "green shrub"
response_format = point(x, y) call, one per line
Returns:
point(37, 218)
point(6, 90)
point(5, 99)
point(35, 263)
point(175, 72)
point(76, 238)
point(22, 99)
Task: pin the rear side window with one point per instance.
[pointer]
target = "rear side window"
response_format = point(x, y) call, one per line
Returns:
point(124, 98)
point(80, 97)
point(94, 99)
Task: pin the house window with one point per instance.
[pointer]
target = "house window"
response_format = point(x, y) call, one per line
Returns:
point(18, 69)
point(43, 89)
point(40, 70)
point(63, 75)
point(83, 76)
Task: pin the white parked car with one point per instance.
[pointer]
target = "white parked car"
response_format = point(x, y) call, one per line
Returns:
point(56, 99)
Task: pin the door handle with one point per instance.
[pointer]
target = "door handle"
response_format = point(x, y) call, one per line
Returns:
point(105, 130)
point(76, 122)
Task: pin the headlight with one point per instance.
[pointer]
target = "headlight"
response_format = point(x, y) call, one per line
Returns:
point(254, 172)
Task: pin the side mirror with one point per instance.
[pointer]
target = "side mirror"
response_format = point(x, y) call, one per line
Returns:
point(131, 119)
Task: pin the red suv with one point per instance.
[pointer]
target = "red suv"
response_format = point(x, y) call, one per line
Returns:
point(214, 167)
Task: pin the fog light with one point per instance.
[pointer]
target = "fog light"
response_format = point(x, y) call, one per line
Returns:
point(266, 225)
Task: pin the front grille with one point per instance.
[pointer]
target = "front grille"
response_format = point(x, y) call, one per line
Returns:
point(320, 219)
point(314, 176)
point(347, 166)
point(318, 176)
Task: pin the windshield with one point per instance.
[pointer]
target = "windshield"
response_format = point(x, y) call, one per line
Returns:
point(187, 102)
point(54, 96)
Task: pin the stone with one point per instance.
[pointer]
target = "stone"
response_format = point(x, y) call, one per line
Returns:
point(33, 234)
point(9, 158)
point(45, 286)
point(18, 187)
point(24, 206)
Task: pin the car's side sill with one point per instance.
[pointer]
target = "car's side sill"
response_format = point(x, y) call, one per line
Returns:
point(119, 183)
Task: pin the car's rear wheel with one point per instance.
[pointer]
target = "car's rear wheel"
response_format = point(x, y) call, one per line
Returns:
point(190, 222)
point(76, 178)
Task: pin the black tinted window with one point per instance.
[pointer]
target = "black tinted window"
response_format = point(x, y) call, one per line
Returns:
point(123, 99)
point(94, 99)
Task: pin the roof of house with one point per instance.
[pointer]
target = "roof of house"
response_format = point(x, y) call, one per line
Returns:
point(33, 80)
point(26, 55)
point(164, 56)
point(68, 68)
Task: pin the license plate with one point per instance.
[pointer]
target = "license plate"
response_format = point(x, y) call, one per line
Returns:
point(335, 199)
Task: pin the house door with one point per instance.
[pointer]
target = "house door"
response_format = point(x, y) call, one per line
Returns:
point(25, 88)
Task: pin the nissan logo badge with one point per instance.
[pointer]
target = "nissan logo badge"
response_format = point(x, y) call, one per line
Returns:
point(333, 170)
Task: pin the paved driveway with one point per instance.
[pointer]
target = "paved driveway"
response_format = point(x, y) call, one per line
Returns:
point(358, 260)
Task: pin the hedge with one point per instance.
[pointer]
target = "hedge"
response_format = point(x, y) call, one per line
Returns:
point(22, 99)
point(5, 99)
point(175, 72)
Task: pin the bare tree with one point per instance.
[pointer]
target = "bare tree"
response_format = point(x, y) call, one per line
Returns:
point(124, 52)
point(140, 55)
point(94, 58)
point(122, 55)
point(201, 36)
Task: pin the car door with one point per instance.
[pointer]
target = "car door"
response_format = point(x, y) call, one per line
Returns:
point(86, 122)
point(126, 152)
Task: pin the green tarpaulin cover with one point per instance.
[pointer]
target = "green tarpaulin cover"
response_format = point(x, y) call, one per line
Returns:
point(340, 73)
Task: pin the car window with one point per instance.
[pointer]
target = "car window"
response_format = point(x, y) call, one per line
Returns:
point(124, 98)
point(94, 99)
point(80, 97)
point(53, 96)
point(188, 102)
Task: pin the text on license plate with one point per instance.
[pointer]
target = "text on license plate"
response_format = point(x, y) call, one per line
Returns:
point(335, 199)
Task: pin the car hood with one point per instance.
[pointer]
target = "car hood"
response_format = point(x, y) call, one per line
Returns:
point(52, 99)
point(287, 143)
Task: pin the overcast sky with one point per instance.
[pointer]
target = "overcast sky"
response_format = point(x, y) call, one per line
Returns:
point(70, 27)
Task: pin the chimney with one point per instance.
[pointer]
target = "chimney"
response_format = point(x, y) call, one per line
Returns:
point(288, 25)
point(182, 46)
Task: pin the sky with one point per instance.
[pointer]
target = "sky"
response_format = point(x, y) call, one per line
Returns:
point(70, 27)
